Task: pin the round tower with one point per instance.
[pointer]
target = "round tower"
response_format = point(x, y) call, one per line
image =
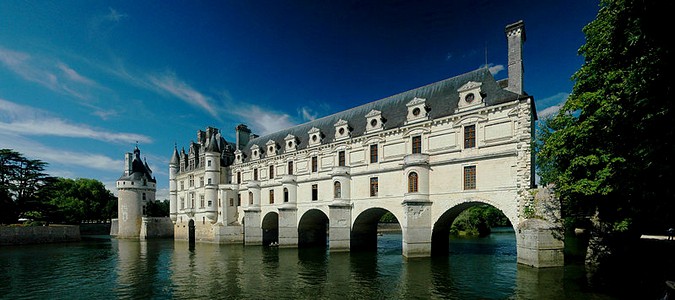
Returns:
point(134, 189)
point(212, 177)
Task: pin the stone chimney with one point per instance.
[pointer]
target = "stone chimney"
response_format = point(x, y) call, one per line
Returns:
point(515, 36)
point(243, 135)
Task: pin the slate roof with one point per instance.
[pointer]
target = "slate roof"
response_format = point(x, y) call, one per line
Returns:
point(139, 169)
point(441, 97)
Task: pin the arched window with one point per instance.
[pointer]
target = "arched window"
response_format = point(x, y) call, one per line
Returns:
point(250, 198)
point(337, 190)
point(412, 182)
point(285, 195)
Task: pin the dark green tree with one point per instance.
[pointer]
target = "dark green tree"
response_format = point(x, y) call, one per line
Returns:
point(609, 151)
point(81, 199)
point(22, 182)
point(157, 208)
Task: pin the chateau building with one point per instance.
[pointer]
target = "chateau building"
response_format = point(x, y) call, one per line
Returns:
point(424, 155)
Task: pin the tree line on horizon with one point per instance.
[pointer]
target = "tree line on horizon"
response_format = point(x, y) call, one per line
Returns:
point(27, 192)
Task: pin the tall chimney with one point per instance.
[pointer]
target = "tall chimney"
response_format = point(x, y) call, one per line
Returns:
point(127, 163)
point(515, 36)
point(243, 136)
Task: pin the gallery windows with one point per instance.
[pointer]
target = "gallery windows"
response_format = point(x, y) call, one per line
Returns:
point(469, 136)
point(315, 192)
point(470, 178)
point(373, 186)
point(413, 180)
point(416, 144)
point(373, 153)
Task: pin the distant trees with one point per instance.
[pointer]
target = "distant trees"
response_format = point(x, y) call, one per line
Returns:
point(26, 191)
point(157, 208)
point(478, 221)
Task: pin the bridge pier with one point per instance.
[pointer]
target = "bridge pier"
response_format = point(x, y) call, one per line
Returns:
point(252, 229)
point(288, 228)
point(339, 239)
point(416, 226)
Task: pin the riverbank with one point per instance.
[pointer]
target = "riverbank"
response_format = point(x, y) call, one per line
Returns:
point(20, 235)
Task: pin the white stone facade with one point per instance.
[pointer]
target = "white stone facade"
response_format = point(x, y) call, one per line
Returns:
point(424, 155)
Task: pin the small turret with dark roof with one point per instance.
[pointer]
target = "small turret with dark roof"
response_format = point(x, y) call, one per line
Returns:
point(137, 169)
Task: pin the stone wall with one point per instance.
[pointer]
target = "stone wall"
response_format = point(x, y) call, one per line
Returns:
point(39, 234)
point(156, 228)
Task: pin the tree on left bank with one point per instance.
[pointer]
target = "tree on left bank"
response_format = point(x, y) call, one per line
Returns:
point(26, 191)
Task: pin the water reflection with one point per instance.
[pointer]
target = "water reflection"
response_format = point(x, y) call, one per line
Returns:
point(162, 269)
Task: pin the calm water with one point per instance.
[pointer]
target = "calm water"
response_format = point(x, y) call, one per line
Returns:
point(104, 268)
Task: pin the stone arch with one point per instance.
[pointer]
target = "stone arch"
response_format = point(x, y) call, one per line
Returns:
point(270, 229)
point(364, 228)
point(313, 229)
point(441, 226)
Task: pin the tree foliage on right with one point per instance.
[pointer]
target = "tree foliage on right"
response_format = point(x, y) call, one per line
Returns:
point(610, 149)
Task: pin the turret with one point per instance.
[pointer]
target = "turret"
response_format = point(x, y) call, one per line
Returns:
point(136, 187)
point(173, 184)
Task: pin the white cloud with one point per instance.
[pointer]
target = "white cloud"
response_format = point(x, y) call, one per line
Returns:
point(114, 15)
point(265, 121)
point(307, 114)
point(24, 120)
point(169, 83)
point(551, 105)
point(56, 76)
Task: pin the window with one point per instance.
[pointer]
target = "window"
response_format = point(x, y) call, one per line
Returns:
point(144, 197)
point(255, 174)
point(231, 201)
point(341, 158)
point(315, 166)
point(470, 178)
point(201, 181)
point(271, 196)
point(417, 144)
point(412, 182)
point(238, 177)
point(285, 195)
point(209, 181)
point(201, 201)
point(192, 200)
point(271, 172)
point(182, 203)
point(250, 198)
point(337, 190)
point(182, 185)
point(191, 180)
point(315, 192)
point(238, 199)
point(469, 136)
point(208, 163)
point(373, 153)
point(373, 186)
point(290, 168)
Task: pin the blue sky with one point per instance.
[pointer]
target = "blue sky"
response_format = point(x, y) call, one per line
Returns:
point(82, 81)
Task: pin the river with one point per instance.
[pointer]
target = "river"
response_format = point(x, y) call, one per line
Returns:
point(99, 267)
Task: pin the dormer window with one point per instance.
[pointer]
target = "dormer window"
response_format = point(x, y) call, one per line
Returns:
point(374, 120)
point(256, 152)
point(314, 136)
point(271, 148)
point(417, 110)
point(341, 130)
point(291, 143)
point(470, 96)
point(238, 157)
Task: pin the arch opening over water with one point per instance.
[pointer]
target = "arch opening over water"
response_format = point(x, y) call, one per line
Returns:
point(365, 229)
point(313, 229)
point(440, 235)
point(270, 229)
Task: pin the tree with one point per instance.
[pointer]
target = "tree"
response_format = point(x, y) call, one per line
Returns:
point(81, 199)
point(609, 151)
point(22, 181)
point(157, 208)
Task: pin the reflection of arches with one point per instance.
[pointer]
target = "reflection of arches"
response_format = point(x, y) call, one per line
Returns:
point(440, 234)
point(313, 229)
point(364, 229)
point(191, 231)
point(270, 229)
